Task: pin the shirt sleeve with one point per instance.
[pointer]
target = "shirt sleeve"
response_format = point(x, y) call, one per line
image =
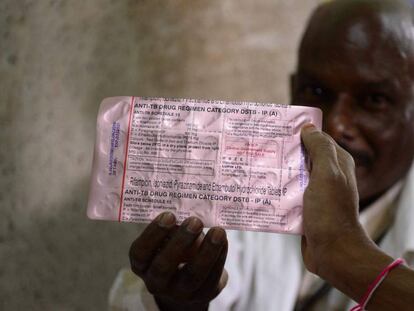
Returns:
point(129, 293)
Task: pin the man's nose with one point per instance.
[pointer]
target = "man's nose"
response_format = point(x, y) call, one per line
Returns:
point(340, 121)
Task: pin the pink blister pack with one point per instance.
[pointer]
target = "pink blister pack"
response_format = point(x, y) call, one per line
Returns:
point(239, 165)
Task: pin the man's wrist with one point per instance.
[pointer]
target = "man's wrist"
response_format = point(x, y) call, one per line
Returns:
point(353, 263)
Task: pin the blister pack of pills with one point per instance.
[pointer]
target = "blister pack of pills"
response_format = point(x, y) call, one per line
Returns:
point(239, 165)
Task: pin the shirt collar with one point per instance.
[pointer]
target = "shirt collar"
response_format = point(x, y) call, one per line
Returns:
point(400, 239)
point(378, 216)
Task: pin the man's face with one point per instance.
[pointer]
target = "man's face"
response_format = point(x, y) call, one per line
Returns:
point(364, 86)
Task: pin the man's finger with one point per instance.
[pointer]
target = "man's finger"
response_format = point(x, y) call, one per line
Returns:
point(195, 272)
point(165, 263)
point(144, 248)
point(217, 278)
point(347, 164)
point(321, 149)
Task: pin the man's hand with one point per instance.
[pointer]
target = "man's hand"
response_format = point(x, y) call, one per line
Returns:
point(330, 203)
point(180, 266)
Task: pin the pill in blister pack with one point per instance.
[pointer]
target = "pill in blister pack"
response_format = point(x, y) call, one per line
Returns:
point(238, 165)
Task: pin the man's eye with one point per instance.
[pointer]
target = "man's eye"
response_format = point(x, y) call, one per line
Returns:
point(377, 100)
point(313, 91)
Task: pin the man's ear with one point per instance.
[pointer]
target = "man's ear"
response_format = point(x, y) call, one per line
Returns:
point(292, 86)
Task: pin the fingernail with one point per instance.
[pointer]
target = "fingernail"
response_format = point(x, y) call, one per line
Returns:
point(194, 225)
point(217, 236)
point(309, 127)
point(167, 219)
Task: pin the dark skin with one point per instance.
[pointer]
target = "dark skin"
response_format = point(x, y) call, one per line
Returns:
point(361, 76)
point(156, 254)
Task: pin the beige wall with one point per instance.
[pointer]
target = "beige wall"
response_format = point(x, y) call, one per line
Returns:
point(58, 59)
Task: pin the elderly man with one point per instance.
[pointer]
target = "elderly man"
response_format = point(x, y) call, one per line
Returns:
point(356, 62)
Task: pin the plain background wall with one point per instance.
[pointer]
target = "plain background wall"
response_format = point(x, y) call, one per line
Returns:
point(58, 60)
